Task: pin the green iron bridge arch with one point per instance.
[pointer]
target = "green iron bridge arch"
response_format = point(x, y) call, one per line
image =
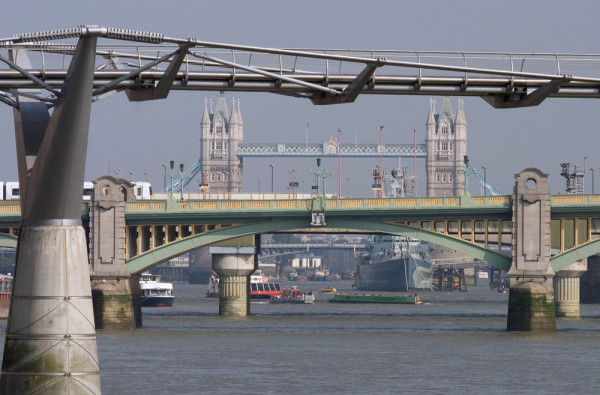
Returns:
point(158, 230)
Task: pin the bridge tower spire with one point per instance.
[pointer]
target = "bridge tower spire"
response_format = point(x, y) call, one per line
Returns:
point(446, 147)
point(221, 133)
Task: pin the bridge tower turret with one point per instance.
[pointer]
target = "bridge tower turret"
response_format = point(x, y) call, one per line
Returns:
point(221, 133)
point(446, 147)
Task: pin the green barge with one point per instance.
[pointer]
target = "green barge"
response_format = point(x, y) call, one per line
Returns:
point(366, 298)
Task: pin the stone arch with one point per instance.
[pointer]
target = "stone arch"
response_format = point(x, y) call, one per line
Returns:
point(151, 258)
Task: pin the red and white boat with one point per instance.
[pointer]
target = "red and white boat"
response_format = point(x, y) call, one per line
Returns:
point(261, 287)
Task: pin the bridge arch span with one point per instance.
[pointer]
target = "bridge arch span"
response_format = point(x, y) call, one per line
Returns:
point(8, 240)
point(334, 225)
point(562, 261)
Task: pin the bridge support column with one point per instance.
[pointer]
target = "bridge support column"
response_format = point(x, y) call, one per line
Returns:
point(531, 297)
point(234, 265)
point(566, 289)
point(50, 338)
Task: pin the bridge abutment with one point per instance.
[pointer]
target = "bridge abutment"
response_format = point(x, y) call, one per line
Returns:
point(567, 289)
point(531, 298)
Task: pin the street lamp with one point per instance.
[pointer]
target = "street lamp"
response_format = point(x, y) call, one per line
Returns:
point(592, 169)
point(380, 193)
point(272, 166)
point(226, 186)
point(340, 163)
point(484, 181)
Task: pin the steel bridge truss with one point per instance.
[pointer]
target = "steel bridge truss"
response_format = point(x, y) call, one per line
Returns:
point(149, 65)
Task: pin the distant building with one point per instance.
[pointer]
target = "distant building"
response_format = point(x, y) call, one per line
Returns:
point(221, 133)
point(446, 147)
point(307, 262)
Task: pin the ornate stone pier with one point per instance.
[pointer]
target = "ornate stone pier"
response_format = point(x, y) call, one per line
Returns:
point(567, 289)
point(116, 304)
point(531, 299)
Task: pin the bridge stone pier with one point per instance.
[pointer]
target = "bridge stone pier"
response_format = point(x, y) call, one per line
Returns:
point(234, 263)
point(567, 289)
point(531, 298)
point(115, 293)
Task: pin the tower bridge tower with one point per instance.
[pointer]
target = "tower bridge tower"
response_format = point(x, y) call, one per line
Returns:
point(446, 147)
point(221, 133)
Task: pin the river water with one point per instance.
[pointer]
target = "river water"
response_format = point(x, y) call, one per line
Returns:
point(454, 343)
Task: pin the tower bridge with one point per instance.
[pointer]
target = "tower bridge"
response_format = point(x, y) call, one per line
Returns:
point(51, 316)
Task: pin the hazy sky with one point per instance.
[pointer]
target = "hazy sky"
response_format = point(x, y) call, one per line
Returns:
point(139, 137)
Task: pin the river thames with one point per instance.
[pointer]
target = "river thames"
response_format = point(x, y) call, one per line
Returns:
point(454, 343)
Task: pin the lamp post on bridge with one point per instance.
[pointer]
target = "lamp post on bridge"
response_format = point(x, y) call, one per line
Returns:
point(272, 166)
point(204, 186)
point(592, 169)
point(178, 177)
point(484, 180)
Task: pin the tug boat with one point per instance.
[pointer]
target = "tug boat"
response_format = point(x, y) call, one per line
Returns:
point(153, 293)
point(293, 295)
point(6, 284)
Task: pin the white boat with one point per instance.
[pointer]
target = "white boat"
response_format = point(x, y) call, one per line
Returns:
point(153, 293)
point(213, 287)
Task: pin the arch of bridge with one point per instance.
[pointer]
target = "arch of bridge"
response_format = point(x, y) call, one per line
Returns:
point(168, 251)
point(561, 261)
point(8, 240)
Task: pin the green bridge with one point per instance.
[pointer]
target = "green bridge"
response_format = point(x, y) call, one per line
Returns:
point(158, 230)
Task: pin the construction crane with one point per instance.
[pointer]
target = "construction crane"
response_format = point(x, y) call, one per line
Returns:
point(488, 187)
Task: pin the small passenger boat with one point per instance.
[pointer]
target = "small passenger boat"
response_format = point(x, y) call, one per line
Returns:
point(153, 293)
point(261, 287)
point(370, 298)
point(293, 295)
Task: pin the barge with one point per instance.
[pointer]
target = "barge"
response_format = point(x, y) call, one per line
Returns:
point(374, 298)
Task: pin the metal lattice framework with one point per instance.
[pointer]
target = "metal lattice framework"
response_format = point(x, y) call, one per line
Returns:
point(324, 150)
point(149, 65)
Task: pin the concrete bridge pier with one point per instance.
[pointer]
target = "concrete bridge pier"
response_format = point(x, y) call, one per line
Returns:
point(531, 298)
point(567, 289)
point(234, 265)
point(50, 338)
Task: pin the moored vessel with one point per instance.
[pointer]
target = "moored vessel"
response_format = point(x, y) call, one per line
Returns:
point(374, 298)
point(154, 293)
point(6, 284)
point(395, 264)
